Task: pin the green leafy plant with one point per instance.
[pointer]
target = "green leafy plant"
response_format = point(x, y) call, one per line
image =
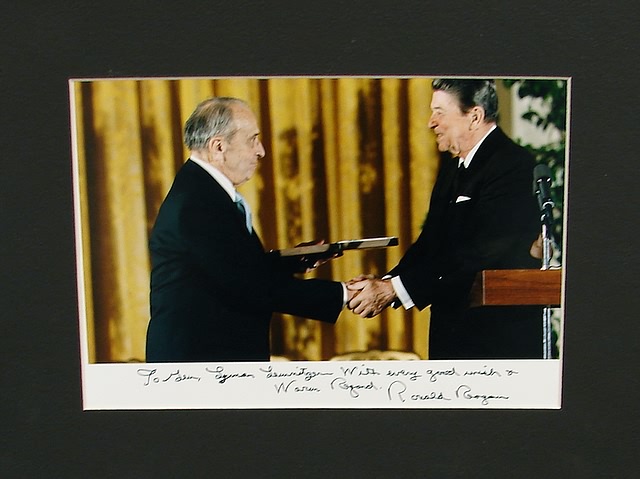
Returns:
point(549, 113)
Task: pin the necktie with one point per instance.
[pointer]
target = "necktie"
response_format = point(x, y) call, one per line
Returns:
point(455, 185)
point(243, 207)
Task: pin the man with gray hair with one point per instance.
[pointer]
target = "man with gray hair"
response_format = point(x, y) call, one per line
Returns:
point(482, 215)
point(213, 287)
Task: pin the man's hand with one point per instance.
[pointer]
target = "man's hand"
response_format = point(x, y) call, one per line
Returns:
point(373, 295)
point(310, 262)
point(351, 293)
point(537, 248)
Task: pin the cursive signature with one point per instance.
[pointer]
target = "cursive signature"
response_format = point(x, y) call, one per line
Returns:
point(465, 392)
point(398, 390)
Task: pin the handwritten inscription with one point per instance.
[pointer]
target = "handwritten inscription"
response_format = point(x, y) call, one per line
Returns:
point(305, 373)
point(359, 371)
point(152, 376)
point(291, 386)
point(485, 371)
point(353, 388)
point(478, 384)
point(222, 377)
point(434, 374)
point(149, 375)
point(177, 377)
point(411, 375)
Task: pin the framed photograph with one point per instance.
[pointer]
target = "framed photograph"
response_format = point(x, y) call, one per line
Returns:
point(344, 158)
point(95, 99)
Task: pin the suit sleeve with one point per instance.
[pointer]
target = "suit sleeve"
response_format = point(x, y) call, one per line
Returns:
point(235, 264)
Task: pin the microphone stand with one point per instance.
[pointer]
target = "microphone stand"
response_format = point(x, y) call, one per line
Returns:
point(542, 189)
point(547, 253)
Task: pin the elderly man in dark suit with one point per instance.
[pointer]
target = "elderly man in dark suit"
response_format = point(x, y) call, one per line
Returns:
point(482, 215)
point(213, 287)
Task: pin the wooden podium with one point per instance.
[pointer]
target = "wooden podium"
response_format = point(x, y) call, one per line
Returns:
point(511, 287)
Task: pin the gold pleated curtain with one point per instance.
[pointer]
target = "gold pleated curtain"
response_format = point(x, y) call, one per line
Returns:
point(345, 158)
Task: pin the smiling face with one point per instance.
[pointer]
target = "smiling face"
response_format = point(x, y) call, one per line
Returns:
point(453, 128)
point(237, 156)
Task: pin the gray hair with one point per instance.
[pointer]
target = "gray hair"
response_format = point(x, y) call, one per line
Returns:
point(470, 93)
point(212, 117)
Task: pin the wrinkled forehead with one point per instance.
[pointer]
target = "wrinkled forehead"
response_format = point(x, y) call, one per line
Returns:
point(243, 117)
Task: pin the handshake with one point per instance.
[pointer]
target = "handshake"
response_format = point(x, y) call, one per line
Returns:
point(368, 296)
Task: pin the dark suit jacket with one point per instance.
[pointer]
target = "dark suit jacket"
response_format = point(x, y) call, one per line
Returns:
point(213, 287)
point(493, 229)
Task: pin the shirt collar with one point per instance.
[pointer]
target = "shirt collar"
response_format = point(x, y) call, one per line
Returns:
point(217, 175)
point(467, 160)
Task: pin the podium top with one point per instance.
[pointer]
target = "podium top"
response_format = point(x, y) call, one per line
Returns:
point(517, 287)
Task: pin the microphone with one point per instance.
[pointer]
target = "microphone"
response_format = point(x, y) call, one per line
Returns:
point(542, 189)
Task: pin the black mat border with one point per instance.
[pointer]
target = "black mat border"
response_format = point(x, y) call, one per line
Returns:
point(47, 435)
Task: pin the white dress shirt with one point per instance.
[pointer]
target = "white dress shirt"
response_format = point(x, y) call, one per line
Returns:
point(217, 175)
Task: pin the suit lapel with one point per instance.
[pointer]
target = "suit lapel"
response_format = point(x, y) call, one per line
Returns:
point(471, 175)
point(488, 147)
point(444, 183)
point(214, 192)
